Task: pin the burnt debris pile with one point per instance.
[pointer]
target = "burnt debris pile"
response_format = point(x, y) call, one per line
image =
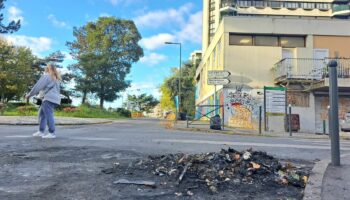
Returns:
point(228, 167)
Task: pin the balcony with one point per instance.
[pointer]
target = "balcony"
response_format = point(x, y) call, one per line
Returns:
point(228, 8)
point(341, 10)
point(308, 71)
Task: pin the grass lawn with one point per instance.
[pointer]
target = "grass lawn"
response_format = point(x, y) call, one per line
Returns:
point(83, 111)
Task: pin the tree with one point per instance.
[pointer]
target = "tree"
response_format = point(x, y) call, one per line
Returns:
point(166, 100)
point(105, 51)
point(170, 88)
point(16, 70)
point(142, 102)
point(12, 26)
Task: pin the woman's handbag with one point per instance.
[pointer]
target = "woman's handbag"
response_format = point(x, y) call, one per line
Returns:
point(38, 101)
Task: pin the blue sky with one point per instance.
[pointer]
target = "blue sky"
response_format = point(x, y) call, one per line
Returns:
point(48, 24)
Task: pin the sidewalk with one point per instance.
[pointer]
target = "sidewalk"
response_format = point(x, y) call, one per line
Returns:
point(336, 181)
point(32, 120)
point(204, 127)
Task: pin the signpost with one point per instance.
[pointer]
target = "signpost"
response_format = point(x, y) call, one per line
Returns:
point(218, 77)
point(274, 102)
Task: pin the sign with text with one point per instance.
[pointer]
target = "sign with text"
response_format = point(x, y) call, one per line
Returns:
point(222, 81)
point(218, 74)
point(275, 100)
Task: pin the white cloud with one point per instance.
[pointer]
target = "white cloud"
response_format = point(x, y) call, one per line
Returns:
point(67, 56)
point(192, 31)
point(37, 44)
point(138, 88)
point(152, 59)
point(155, 19)
point(56, 22)
point(105, 15)
point(124, 2)
point(15, 14)
point(156, 41)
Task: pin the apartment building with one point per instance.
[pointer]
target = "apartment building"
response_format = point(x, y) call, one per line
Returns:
point(285, 44)
point(195, 57)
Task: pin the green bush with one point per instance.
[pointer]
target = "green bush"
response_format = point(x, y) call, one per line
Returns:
point(124, 112)
point(16, 104)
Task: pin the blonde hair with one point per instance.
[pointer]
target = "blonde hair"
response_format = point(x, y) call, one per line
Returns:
point(53, 72)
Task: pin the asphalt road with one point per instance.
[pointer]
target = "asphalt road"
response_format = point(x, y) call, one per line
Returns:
point(150, 137)
point(70, 166)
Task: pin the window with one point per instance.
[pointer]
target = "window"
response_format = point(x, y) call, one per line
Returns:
point(245, 40)
point(292, 41)
point(291, 5)
point(244, 3)
point(275, 4)
point(323, 6)
point(265, 41)
point(308, 6)
point(212, 5)
point(258, 4)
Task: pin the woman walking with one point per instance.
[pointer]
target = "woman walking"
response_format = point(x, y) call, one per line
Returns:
point(48, 87)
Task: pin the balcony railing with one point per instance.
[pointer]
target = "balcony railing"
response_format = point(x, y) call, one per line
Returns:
point(308, 69)
point(341, 9)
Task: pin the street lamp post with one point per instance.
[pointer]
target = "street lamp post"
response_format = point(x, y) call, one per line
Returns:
point(180, 76)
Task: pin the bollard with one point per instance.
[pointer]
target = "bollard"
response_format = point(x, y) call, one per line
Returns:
point(260, 112)
point(324, 127)
point(334, 116)
point(290, 120)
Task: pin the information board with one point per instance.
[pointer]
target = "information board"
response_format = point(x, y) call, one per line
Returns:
point(275, 100)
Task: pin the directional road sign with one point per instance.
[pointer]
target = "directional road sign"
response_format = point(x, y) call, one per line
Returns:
point(218, 74)
point(221, 81)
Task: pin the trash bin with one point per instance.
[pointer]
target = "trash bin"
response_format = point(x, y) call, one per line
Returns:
point(215, 122)
point(182, 116)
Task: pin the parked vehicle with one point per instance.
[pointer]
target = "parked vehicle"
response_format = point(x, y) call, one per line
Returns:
point(345, 124)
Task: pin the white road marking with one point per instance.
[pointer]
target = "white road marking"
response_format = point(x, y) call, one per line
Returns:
point(296, 146)
point(92, 138)
point(18, 136)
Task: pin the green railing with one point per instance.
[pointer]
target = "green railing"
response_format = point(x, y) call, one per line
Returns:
point(340, 7)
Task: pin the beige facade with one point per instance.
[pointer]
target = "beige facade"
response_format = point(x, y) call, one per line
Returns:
point(259, 50)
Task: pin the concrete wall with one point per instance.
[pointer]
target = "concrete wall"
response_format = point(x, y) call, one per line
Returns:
point(335, 44)
point(296, 26)
point(251, 65)
point(306, 115)
point(321, 104)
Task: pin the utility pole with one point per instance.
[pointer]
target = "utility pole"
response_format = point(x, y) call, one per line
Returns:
point(333, 111)
point(180, 75)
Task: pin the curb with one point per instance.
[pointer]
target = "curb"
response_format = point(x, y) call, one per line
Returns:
point(57, 124)
point(233, 132)
point(313, 189)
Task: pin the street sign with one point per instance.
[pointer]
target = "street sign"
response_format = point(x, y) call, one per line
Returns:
point(222, 81)
point(218, 74)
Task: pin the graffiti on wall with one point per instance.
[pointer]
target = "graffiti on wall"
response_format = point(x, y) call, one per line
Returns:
point(344, 107)
point(204, 109)
point(243, 108)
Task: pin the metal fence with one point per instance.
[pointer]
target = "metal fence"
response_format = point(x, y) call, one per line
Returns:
point(308, 69)
point(211, 110)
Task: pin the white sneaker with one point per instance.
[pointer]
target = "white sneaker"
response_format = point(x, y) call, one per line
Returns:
point(38, 134)
point(49, 136)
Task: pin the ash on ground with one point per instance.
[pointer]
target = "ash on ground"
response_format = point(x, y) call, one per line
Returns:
point(229, 174)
